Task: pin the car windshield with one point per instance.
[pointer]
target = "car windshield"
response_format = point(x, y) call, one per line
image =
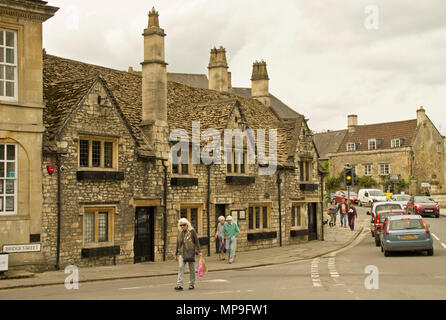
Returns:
point(388, 207)
point(423, 200)
point(401, 198)
point(353, 194)
point(376, 193)
point(406, 224)
point(384, 215)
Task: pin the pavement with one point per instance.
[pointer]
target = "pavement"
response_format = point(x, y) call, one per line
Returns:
point(334, 239)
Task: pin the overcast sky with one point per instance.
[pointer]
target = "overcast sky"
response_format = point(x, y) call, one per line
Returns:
point(326, 59)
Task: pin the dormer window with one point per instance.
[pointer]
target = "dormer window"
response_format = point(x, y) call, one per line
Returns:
point(351, 146)
point(8, 65)
point(395, 143)
point(372, 144)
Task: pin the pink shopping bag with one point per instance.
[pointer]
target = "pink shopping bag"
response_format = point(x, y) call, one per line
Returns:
point(200, 269)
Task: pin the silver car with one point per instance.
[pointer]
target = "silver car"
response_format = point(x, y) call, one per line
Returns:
point(401, 198)
point(406, 233)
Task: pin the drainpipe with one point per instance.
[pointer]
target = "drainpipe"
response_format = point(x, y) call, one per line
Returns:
point(279, 181)
point(59, 171)
point(208, 201)
point(165, 210)
point(322, 206)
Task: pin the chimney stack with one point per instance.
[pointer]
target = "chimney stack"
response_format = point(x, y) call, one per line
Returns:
point(421, 116)
point(352, 122)
point(260, 83)
point(218, 70)
point(154, 87)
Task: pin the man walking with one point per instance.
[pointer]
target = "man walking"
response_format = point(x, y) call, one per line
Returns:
point(230, 233)
point(352, 214)
point(342, 208)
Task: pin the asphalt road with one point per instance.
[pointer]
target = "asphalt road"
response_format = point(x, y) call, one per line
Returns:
point(341, 275)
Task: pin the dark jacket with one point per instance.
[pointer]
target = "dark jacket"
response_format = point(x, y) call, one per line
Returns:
point(340, 207)
point(190, 242)
point(354, 211)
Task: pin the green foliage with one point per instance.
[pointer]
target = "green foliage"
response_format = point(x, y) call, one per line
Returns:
point(366, 182)
point(333, 184)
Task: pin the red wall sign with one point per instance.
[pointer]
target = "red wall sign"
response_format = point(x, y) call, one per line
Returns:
point(50, 168)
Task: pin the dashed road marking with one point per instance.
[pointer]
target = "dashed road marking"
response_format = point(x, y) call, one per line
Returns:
point(435, 237)
point(315, 273)
point(444, 245)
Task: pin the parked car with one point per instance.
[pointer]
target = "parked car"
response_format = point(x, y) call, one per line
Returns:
point(406, 233)
point(339, 195)
point(380, 221)
point(401, 198)
point(381, 206)
point(369, 196)
point(423, 205)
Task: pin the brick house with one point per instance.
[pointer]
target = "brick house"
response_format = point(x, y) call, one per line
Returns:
point(400, 156)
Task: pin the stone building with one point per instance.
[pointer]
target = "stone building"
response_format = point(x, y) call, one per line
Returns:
point(115, 195)
point(400, 156)
point(21, 128)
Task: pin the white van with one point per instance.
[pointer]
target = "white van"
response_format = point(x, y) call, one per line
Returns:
point(368, 196)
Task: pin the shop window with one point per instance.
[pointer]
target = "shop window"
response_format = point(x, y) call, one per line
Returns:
point(8, 178)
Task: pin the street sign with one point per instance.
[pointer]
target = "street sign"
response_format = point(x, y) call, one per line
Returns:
point(19, 248)
point(425, 184)
point(394, 177)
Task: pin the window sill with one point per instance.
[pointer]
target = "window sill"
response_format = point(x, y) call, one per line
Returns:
point(299, 233)
point(92, 245)
point(239, 179)
point(183, 181)
point(100, 175)
point(101, 252)
point(252, 236)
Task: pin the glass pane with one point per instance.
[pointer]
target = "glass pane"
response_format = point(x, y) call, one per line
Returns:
point(9, 39)
point(184, 162)
point(228, 161)
point(183, 213)
point(2, 72)
point(9, 186)
point(103, 227)
point(298, 217)
point(9, 73)
point(265, 217)
point(1, 204)
point(257, 217)
point(1, 38)
point(2, 169)
point(194, 218)
point(174, 168)
point(10, 152)
point(108, 154)
point(10, 56)
point(2, 55)
point(293, 216)
point(10, 170)
point(96, 154)
point(89, 227)
point(251, 218)
point(2, 88)
point(1, 186)
point(9, 89)
point(2, 152)
point(236, 162)
point(9, 205)
point(83, 153)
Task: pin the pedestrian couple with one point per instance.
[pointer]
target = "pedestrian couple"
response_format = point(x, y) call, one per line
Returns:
point(345, 212)
point(226, 237)
point(188, 246)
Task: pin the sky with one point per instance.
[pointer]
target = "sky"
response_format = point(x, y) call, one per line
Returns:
point(378, 59)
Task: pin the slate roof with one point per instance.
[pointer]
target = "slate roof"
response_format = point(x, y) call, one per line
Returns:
point(383, 132)
point(193, 80)
point(65, 81)
point(328, 142)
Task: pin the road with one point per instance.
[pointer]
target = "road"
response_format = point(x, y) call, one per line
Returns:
point(340, 275)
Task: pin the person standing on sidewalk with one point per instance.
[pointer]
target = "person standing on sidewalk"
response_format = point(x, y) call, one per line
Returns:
point(230, 233)
point(332, 211)
point(342, 208)
point(352, 214)
point(221, 245)
point(187, 247)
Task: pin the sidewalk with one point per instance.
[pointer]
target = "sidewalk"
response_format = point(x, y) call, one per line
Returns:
point(335, 239)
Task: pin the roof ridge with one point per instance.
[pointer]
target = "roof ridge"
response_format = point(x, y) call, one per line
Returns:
point(381, 123)
point(90, 77)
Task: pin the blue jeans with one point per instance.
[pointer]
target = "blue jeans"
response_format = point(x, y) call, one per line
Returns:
point(231, 245)
point(343, 219)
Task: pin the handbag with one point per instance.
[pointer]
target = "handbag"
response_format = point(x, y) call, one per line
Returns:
point(202, 269)
point(188, 255)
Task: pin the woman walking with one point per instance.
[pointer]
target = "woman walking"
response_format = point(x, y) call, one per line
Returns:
point(221, 245)
point(187, 247)
point(332, 211)
point(352, 214)
point(230, 233)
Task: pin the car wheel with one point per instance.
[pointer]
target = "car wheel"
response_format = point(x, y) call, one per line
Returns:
point(360, 203)
point(386, 253)
point(377, 242)
point(430, 252)
point(373, 234)
point(382, 249)
point(437, 216)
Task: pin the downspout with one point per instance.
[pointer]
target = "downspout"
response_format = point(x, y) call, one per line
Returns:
point(322, 206)
point(165, 211)
point(58, 210)
point(279, 181)
point(208, 201)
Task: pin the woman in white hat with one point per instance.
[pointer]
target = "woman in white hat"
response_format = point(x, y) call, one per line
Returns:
point(221, 246)
point(230, 233)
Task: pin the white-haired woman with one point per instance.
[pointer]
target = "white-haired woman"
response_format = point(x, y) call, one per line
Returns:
point(221, 245)
point(187, 247)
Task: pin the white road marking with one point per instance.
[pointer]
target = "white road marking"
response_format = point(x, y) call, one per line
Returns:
point(315, 273)
point(224, 292)
point(435, 236)
point(133, 288)
point(215, 280)
point(444, 245)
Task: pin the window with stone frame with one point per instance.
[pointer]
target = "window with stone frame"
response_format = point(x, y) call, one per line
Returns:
point(236, 161)
point(98, 225)
point(368, 169)
point(305, 170)
point(8, 178)
point(296, 215)
point(8, 65)
point(259, 216)
point(351, 146)
point(384, 169)
point(439, 144)
point(97, 152)
point(395, 143)
point(193, 214)
point(184, 162)
point(372, 144)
